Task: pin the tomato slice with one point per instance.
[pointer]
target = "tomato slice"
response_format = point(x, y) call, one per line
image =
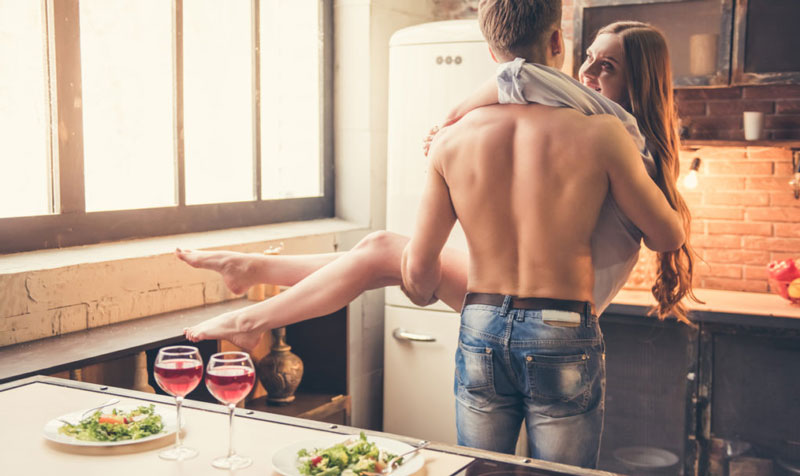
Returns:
point(117, 419)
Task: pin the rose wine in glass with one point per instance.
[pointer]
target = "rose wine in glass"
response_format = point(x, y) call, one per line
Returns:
point(178, 370)
point(229, 377)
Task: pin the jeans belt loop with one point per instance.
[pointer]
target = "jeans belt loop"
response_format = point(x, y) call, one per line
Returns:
point(587, 314)
point(506, 305)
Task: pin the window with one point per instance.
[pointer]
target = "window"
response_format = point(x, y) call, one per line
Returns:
point(127, 97)
point(218, 133)
point(24, 157)
point(130, 118)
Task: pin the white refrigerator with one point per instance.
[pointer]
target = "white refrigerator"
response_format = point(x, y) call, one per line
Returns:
point(431, 68)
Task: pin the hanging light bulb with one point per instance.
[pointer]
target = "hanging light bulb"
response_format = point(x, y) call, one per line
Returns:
point(690, 180)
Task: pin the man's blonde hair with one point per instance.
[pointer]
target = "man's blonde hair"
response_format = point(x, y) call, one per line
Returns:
point(512, 27)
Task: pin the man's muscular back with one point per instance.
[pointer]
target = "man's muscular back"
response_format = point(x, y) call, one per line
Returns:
point(527, 188)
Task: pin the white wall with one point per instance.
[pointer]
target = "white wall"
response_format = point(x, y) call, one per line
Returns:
point(362, 29)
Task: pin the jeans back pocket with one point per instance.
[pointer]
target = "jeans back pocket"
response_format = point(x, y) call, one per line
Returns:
point(474, 374)
point(559, 378)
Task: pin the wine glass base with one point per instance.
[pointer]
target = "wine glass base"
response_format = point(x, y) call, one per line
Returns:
point(178, 453)
point(232, 462)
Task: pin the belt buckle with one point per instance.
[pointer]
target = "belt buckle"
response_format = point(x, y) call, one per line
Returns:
point(558, 318)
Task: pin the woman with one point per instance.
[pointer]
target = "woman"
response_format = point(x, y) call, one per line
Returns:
point(627, 63)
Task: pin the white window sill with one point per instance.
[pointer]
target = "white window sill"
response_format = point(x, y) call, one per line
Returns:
point(147, 247)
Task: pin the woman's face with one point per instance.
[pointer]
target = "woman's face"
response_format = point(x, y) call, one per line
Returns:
point(604, 68)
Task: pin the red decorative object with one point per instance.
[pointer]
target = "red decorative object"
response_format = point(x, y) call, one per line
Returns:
point(782, 275)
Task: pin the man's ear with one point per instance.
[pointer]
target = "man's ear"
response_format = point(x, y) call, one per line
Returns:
point(556, 43)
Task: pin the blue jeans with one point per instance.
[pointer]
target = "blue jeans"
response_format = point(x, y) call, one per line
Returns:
point(511, 365)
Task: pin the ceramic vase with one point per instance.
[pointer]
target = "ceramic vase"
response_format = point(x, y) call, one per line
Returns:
point(281, 370)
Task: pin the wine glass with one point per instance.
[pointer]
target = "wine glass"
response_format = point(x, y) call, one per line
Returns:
point(229, 377)
point(178, 369)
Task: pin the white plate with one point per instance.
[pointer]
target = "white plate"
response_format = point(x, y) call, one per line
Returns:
point(645, 457)
point(284, 460)
point(51, 428)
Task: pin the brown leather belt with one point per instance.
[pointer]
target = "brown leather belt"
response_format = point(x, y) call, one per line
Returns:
point(581, 307)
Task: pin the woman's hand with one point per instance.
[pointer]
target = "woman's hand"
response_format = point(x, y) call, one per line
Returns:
point(426, 142)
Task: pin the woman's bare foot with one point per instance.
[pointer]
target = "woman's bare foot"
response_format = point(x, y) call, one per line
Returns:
point(223, 327)
point(237, 269)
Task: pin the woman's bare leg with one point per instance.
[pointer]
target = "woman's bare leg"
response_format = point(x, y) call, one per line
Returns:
point(240, 271)
point(453, 286)
point(372, 263)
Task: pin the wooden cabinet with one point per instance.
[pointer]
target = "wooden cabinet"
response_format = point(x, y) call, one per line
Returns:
point(732, 380)
point(321, 344)
point(750, 391)
point(322, 395)
point(766, 44)
point(711, 42)
point(651, 381)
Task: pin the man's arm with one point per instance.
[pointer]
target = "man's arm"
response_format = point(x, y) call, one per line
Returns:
point(637, 195)
point(421, 265)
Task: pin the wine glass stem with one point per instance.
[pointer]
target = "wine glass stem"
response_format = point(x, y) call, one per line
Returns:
point(178, 402)
point(231, 407)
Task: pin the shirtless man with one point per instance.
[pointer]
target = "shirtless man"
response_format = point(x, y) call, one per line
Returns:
point(527, 184)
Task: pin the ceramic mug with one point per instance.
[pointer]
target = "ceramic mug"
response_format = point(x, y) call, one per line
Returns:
point(753, 125)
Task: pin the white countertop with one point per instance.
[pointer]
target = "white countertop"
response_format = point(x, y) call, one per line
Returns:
point(27, 408)
point(732, 302)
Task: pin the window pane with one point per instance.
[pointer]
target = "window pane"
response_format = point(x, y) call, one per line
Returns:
point(127, 74)
point(218, 100)
point(291, 99)
point(24, 114)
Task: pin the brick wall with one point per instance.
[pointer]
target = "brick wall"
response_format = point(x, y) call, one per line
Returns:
point(744, 215)
point(567, 15)
point(717, 113)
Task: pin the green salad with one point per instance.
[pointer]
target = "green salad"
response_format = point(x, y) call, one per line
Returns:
point(350, 458)
point(116, 425)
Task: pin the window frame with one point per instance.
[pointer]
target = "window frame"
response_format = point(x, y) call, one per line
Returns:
point(71, 225)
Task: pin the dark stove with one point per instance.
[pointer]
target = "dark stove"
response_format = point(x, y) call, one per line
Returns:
point(483, 467)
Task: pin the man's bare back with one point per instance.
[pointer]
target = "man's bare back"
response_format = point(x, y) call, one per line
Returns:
point(527, 184)
point(528, 194)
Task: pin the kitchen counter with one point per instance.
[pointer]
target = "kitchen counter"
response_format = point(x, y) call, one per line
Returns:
point(735, 307)
point(26, 405)
point(783, 144)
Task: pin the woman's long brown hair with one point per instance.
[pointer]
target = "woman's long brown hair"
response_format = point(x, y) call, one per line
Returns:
point(651, 102)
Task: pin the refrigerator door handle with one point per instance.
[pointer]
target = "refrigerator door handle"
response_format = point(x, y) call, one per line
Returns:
point(401, 334)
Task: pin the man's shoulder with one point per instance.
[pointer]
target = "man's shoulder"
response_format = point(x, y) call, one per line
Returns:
point(607, 136)
point(604, 128)
point(586, 129)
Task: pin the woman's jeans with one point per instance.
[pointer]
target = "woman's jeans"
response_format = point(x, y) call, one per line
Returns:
point(512, 365)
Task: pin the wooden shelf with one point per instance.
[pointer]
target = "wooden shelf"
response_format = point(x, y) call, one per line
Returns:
point(324, 407)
